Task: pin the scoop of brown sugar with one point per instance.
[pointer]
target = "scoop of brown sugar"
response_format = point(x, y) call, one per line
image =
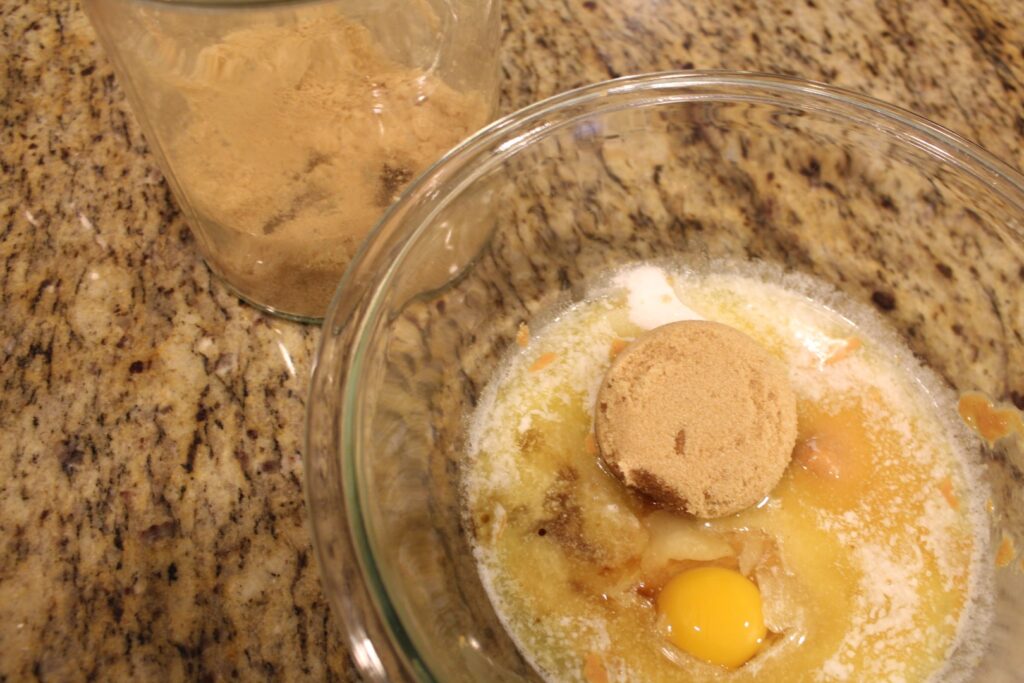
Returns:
point(697, 416)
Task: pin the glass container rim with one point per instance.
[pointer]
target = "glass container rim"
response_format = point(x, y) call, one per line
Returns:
point(226, 5)
point(357, 303)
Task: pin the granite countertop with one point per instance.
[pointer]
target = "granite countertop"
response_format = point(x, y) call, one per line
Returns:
point(151, 505)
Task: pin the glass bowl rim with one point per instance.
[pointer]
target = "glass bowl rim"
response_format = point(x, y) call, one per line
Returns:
point(356, 304)
point(227, 6)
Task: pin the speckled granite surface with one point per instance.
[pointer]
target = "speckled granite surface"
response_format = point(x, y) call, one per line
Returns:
point(151, 507)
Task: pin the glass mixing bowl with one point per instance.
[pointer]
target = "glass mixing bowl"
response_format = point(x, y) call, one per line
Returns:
point(896, 212)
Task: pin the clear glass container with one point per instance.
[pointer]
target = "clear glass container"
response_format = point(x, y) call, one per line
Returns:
point(286, 128)
point(897, 213)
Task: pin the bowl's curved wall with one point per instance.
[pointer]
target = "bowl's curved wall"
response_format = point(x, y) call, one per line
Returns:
point(892, 211)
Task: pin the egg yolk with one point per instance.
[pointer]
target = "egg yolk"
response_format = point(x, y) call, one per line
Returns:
point(714, 614)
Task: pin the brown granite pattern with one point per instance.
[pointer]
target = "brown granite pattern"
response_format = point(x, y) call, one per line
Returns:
point(151, 508)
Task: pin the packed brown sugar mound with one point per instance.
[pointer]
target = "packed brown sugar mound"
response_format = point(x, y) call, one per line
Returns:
point(697, 416)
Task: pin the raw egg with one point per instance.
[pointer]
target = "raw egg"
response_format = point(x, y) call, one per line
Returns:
point(714, 614)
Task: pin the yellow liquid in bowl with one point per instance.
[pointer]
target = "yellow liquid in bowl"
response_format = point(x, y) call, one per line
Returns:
point(868, 556)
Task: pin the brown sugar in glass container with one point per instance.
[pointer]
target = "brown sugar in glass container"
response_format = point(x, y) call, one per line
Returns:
point(285, 129)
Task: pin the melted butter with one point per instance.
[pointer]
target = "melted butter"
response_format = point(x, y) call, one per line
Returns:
point(1005, 552)
point(864, 565)
point(991, 422)
point(834, 449)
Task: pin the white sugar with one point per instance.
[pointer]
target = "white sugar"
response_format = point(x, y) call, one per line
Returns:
point(652, 300)
point(889, 589)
